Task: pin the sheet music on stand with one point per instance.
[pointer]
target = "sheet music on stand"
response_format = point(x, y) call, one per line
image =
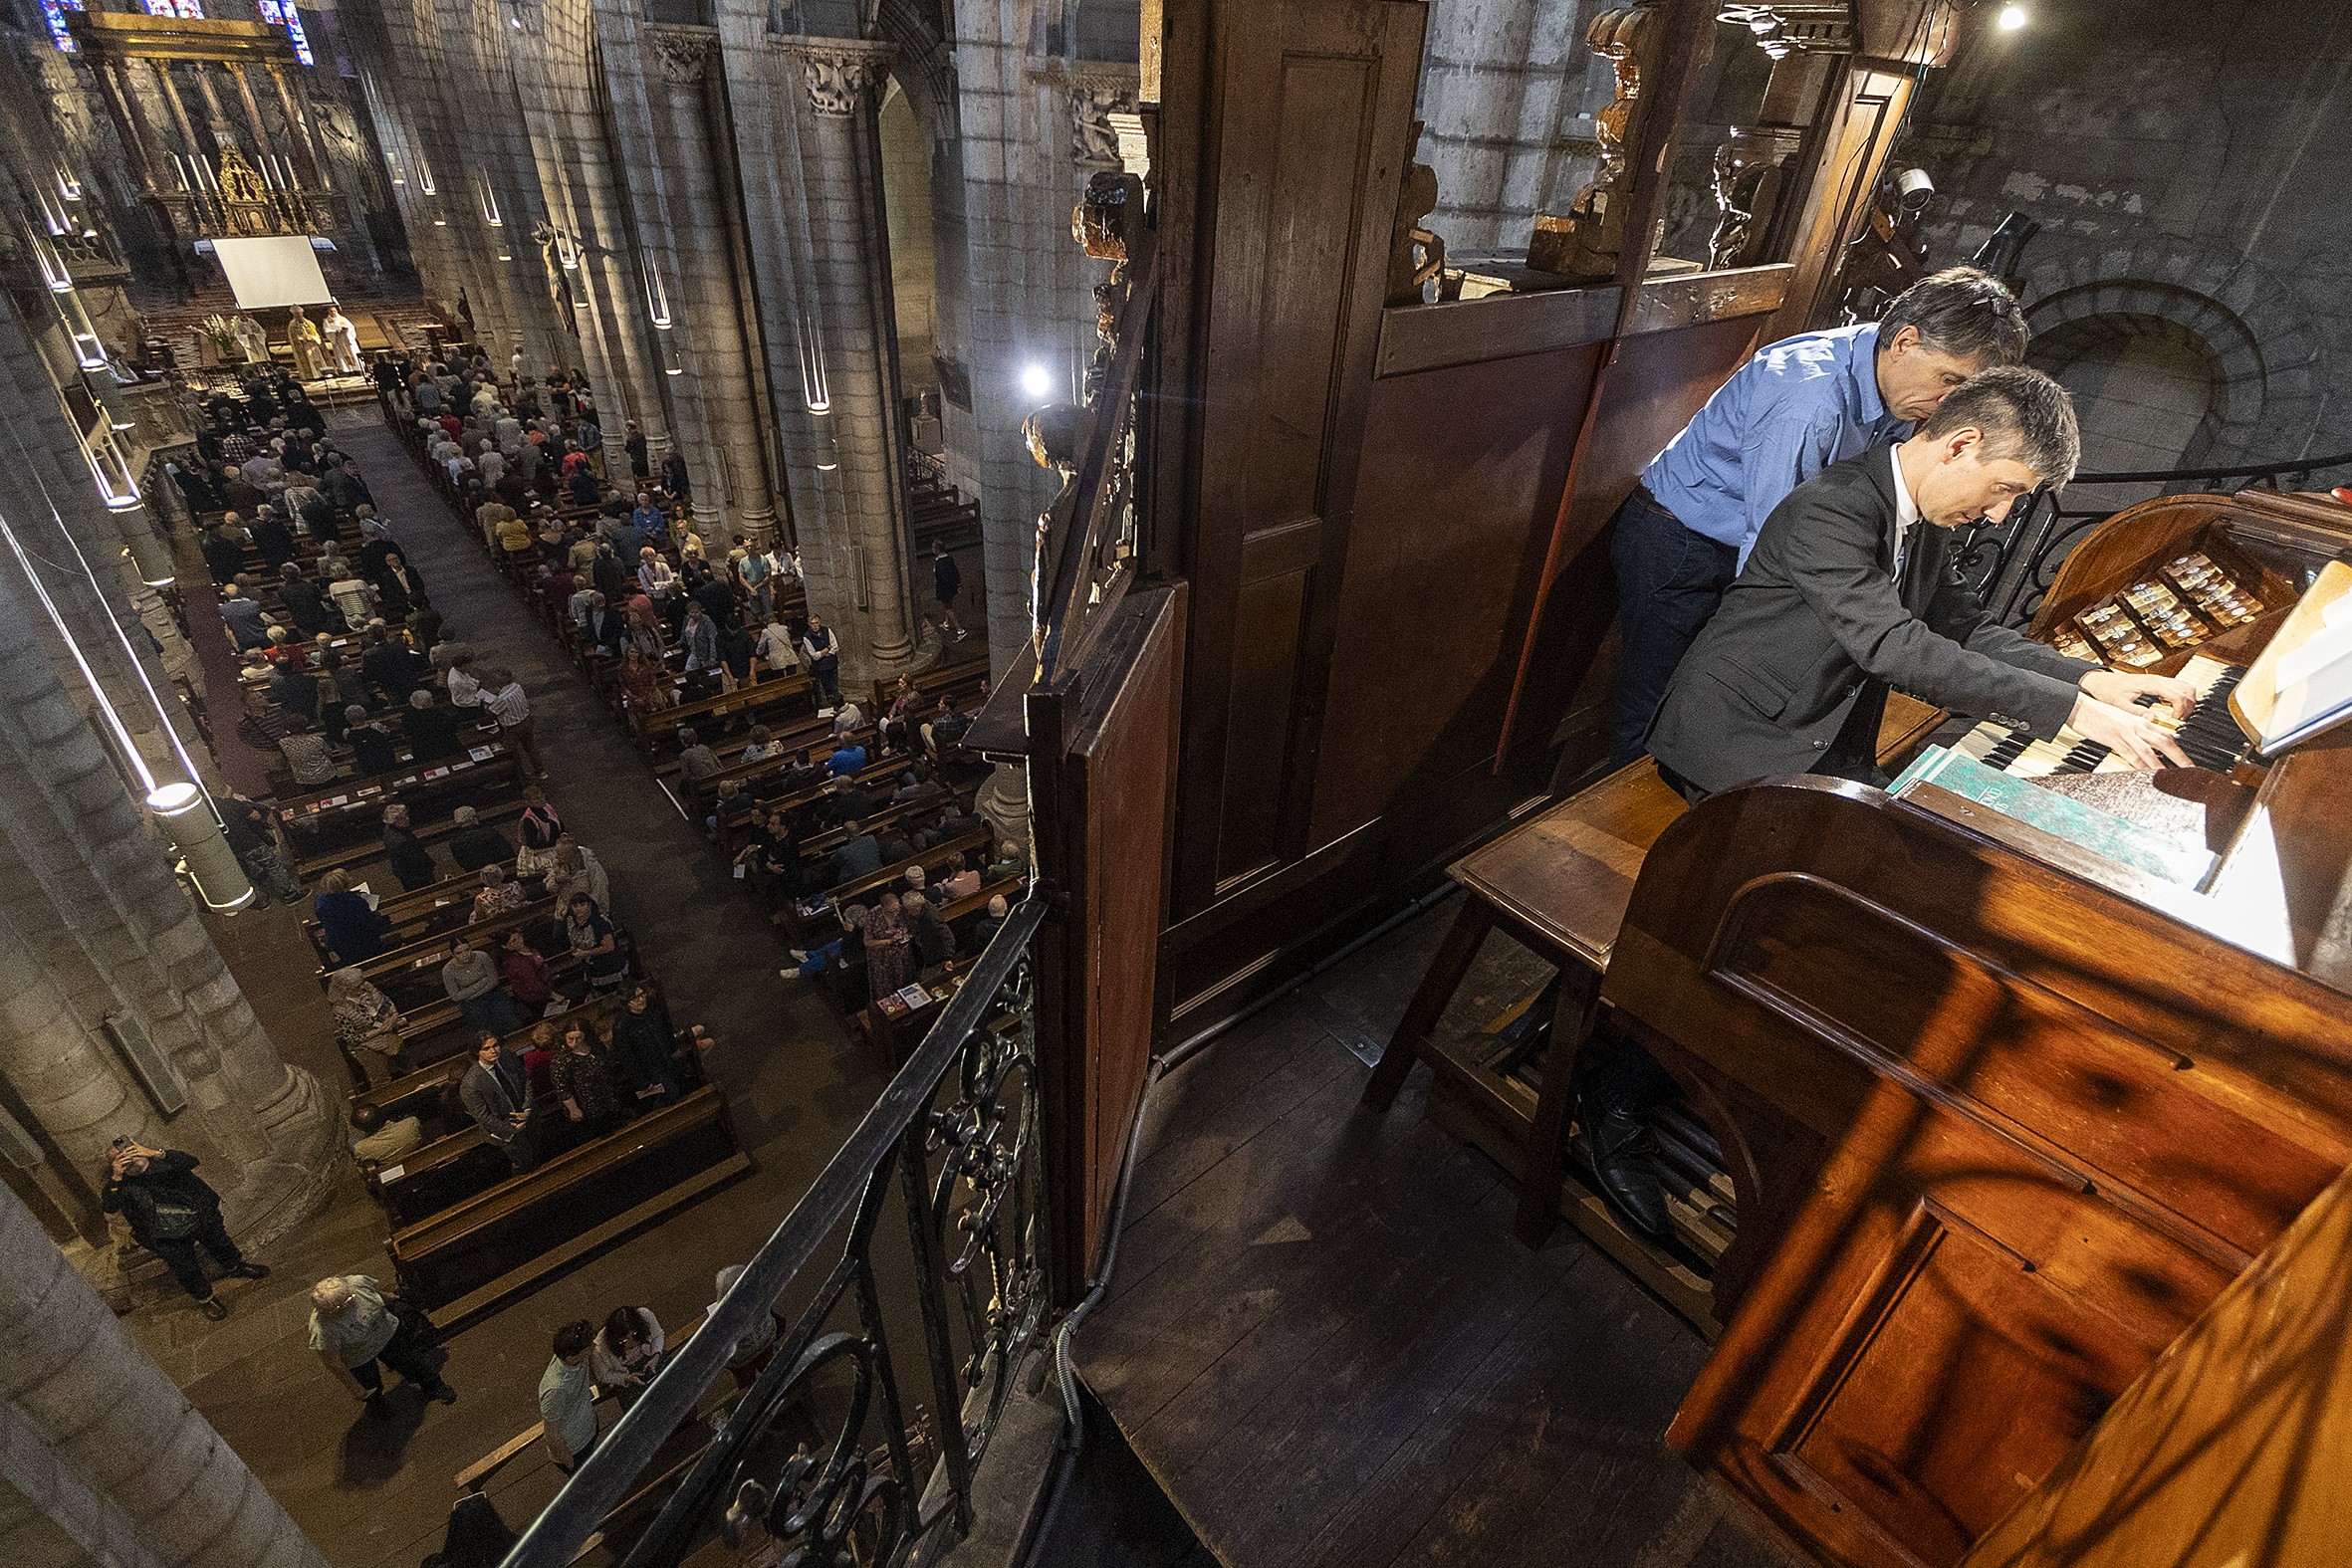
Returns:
point(2301, 685)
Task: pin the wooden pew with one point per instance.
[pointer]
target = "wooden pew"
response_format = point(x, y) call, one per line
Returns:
point(327, 816)
point(965, 677)
point(425, 1083)
point(402, 969)
point(891, 1037)
point(437, 907)
point(498, 1243)
point(444, 1171)
point(893, 877)
point(813, 733)
point(483, 1470)
point(369, 857)
point(655, 730)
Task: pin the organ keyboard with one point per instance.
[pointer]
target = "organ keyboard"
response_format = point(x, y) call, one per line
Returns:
point(2003, 1111)
point(2209, 735)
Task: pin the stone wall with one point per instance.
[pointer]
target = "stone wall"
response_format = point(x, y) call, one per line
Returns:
point(1508, 91)
point(2184, 170)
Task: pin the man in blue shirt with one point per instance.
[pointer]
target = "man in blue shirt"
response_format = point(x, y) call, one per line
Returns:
point(1798, 406)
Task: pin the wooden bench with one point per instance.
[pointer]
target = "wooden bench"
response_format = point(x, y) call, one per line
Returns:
point(401, 969)
point(820, 846)
point(893, 877)
point(965, 677)
point(654, 729)
point(469, 1258)
point(426, 1083)
point(436, 907)
point(370, 857)
point(892, 1037)
point(1559, 884)
point(483, 1470)
point(436, 1174)
point(333, 814)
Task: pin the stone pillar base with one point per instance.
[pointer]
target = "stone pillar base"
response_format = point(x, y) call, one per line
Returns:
point(1004, 805)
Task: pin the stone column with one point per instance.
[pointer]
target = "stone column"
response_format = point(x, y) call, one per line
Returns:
point(307, 162)
point(252, 106)
point(849, 499)
point(219, 121)
point(130, 124)
point(104, 1459)
point(732, 493)
point(168, 81)
point(53, 1053)
point(94, 901)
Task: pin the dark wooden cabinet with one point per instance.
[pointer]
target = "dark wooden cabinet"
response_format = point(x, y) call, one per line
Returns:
point(2003, 1116)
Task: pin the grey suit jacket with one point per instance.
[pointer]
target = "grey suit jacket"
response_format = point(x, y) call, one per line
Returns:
point(1816, 626)
point(488, 1103)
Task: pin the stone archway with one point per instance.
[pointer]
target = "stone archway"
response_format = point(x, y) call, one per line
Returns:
point(2265, 351)
point(2150, 392)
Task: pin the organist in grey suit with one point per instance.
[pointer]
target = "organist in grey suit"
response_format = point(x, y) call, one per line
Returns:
point(1851, 590)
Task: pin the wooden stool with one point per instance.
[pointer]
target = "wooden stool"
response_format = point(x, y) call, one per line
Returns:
point(1559, 884)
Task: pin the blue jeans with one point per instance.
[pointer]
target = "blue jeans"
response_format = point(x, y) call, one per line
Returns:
point(1669, 583)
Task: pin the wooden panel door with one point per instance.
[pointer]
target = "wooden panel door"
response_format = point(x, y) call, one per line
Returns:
point(1998, 1137)
point(1102, 768)
point(2230, 1450)
point(1307, 112)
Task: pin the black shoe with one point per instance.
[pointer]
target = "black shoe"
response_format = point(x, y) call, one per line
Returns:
point(1618, 1148)
point(442, 1394)
point(214, 1308)
point(251, 1271)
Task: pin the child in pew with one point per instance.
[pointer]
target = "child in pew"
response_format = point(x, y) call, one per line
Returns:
point(810, 962)
point(732, 808)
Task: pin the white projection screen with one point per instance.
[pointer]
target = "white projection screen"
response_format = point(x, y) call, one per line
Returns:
point(279, 270)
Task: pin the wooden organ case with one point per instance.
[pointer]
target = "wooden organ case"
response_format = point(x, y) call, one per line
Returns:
point(2002, 1114)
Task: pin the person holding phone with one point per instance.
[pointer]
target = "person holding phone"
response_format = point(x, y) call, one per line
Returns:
point(174, 1214)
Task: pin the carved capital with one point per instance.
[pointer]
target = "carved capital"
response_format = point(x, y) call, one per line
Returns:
point(683, 52)
point(844, 76)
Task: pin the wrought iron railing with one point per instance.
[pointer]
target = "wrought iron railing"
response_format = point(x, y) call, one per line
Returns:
point(952, 1144)
point(2012, 565)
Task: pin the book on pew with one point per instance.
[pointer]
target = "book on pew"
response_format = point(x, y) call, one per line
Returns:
point(480, 754)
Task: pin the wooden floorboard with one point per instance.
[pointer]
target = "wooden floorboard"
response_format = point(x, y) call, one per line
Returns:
point(1324, 1342)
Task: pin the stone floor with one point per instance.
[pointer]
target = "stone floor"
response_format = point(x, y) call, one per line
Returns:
point(373, 1487)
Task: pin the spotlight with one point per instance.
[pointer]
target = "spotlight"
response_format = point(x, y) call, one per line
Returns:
point(1036, 380)
point(2012, 18)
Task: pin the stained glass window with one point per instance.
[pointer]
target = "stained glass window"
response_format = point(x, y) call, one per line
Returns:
point(54, 12)
point(193, 10)
point(282, 13)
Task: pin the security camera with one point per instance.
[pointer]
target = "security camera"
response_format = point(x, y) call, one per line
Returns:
point(1913, 192)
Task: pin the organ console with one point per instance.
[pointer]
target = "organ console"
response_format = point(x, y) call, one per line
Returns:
point(2003, 1102)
